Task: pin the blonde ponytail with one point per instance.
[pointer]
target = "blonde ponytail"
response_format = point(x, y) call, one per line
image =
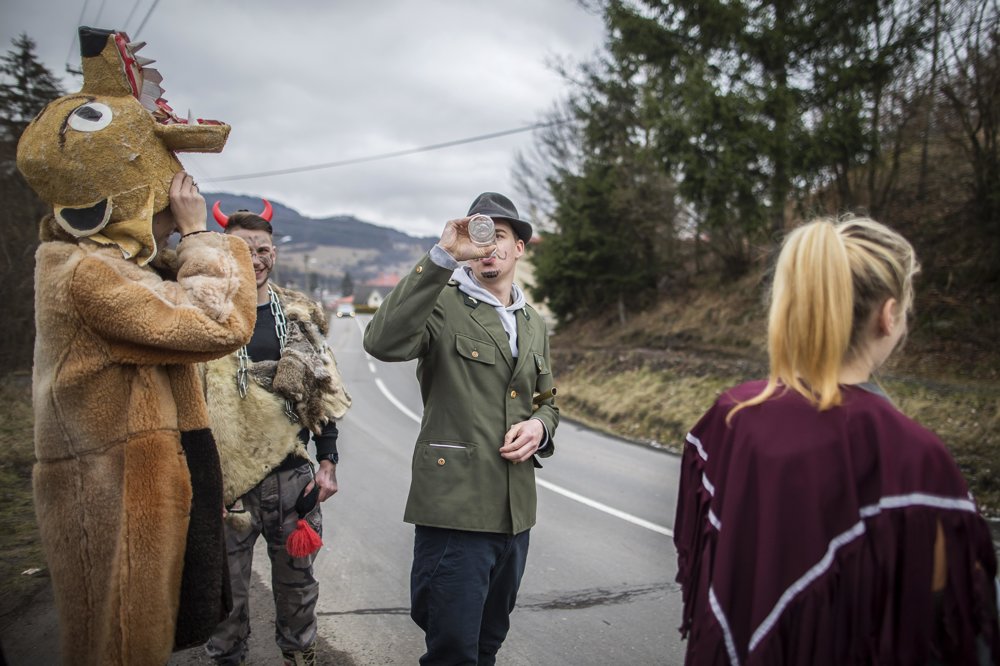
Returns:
point(830, 276)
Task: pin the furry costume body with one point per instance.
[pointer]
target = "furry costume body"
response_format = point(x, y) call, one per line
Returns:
point(253, 433)
point(127, 485)
point(118, 417)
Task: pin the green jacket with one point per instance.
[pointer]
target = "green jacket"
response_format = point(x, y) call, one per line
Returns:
point(473, 391)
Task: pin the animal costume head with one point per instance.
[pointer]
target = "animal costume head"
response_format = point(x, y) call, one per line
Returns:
point(104, 157)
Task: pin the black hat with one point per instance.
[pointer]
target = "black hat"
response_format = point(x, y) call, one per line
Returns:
point(500, 207)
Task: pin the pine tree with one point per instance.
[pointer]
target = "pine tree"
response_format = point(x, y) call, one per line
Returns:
point(613, 206)
point(26, 87)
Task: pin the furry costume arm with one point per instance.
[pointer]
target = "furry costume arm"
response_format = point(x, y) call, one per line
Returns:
point(209, 312)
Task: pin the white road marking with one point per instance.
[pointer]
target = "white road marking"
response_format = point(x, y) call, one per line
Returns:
point(361, 327)
point(611, 511)
point(400, 406)
point(586, 501)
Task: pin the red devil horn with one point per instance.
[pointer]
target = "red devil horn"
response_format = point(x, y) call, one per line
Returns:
point(223, 220)
point(268, 212)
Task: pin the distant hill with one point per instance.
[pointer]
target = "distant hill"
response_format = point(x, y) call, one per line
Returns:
point(332, 246)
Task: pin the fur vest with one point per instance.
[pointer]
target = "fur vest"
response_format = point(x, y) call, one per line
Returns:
point(254, 434)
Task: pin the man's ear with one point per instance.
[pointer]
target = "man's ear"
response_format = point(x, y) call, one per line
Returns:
point(889, 317)
point(519, 246)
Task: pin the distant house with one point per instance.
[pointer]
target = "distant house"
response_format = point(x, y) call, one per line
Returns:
point(374, 295)
point(374, 291)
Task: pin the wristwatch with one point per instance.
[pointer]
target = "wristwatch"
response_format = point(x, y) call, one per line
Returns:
point(332, 457)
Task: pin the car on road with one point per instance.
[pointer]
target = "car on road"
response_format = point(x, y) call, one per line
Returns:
point(345, 310)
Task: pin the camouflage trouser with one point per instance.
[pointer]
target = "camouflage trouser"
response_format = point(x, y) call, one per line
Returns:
point(271, 509)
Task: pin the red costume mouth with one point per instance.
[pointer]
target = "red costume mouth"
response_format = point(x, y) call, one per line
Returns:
point(145, 83)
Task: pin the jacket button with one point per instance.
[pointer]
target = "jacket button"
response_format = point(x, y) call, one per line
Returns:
point(475, 354)
point(420, 269)
point(440, 461)
point(513, 394)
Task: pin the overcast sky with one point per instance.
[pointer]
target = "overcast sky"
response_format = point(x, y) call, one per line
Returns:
point(305, 82)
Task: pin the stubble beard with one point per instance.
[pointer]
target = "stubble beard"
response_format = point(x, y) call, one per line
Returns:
point(267, 267)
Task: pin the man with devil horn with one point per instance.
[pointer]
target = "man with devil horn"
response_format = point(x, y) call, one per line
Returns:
point(263, 402)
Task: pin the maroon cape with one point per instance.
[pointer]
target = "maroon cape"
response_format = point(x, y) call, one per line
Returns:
point(807, 537)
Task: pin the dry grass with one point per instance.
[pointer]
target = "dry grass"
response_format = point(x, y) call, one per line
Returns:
point(651, 379)
point(642, 404)
point(967, 418)
point(19, 541)
point(640, 399)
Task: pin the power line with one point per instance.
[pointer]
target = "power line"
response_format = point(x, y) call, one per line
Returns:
point(72, 42)
point(194, 166)
point(385, 156)
point(146, 17)
point(100, 10)
point(131, 13)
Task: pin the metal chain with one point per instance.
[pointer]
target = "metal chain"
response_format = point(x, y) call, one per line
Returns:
point(241, 373)
point(281, 330)
point(280, 324)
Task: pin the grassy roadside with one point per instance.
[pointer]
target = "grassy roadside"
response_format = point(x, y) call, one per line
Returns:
point(650, 379)
point(636, 397)
point(967, 418)
point(19, 540)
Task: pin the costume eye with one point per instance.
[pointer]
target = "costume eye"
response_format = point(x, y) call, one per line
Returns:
point(90, 117)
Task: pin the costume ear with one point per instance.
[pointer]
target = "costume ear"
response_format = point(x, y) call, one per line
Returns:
point(86, 220)
point(193, 138)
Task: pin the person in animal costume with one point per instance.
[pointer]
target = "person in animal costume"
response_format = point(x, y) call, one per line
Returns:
point(127, 482)
point(263, 402)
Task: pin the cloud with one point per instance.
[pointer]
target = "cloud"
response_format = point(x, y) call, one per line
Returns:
point(310, 81)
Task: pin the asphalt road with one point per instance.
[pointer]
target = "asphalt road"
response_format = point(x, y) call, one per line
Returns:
point(599, 582)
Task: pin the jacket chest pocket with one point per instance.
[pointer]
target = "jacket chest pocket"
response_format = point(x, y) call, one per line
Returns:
point(475, 350)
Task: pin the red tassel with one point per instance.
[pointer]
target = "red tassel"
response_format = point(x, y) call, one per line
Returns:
point(304, 541)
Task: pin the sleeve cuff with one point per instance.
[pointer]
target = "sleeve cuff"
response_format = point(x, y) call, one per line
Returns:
point(545, 440)
point(440, 256)
point(326, 443)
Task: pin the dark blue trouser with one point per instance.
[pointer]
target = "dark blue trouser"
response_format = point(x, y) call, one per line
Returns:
point(463, 586)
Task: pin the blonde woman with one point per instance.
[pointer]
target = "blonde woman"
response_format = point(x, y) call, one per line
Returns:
point(817, 524)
